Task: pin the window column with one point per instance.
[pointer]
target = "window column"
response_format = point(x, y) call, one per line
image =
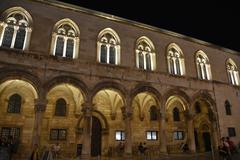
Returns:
point(202, 71)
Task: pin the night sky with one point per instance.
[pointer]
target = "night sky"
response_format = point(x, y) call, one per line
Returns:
point(213, 22)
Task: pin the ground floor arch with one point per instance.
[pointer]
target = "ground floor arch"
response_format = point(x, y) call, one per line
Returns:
point(145, 118)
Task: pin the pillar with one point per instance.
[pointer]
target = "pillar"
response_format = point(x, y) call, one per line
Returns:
point(127, 115)
point(40, 106)
point(87, 118)
point(190, 130)
point(163, 138)
point(215, 135)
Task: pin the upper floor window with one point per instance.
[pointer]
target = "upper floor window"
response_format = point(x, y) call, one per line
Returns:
point(14, 104)
point(228, 108)
point(61, 107)
point(15, 28)
point(108, 47)
point(232, 72)
point(153, 113)
point(145, 54)
point(65, 39)
point(176, 114)
point(203, 66)
point(175, 60)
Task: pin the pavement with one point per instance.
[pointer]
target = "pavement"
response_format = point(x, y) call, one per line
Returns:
point(202, 156)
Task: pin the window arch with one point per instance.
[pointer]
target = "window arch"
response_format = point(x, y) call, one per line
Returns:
point(145, 54)
point(61, 107)
point(203, 66)
point(16, 28)
point(65, 39)
point(108, 47)
point(14, 103)
point(176, 114)
point(153, 113)
point(228, 108)
point(232, 72)
point(198, 107)
point(175, 60)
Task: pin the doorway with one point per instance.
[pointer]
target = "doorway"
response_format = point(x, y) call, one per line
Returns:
point(96, 138)
point(207, 141)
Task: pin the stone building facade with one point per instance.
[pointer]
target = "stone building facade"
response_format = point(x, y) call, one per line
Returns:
point(90, 80)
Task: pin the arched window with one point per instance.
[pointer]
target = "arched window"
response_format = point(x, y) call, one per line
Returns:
point(145, 54)
point(232, 72)
point(16, 28)
point(153, 113)
point(175, 60)
point(176, 115)
point(65, 39)
point(108, 47)
point(61, 107)
point(14, 104)
point(228, 108)
point(203, 66)
point(198, 107)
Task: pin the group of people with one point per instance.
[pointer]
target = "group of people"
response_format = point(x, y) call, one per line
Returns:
point(8, 147)
point(227, 148)
point(47, 153)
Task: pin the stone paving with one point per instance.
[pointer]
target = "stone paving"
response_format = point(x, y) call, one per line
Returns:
point(203, 156)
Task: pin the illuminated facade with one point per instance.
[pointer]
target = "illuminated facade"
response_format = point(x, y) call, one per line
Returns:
point(90, 80)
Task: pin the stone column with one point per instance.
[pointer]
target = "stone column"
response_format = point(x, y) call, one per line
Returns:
point(127, 116)
point(87, 120)
point(163, 138)
point(190, 130)
point(215, 134)
point(40, 106)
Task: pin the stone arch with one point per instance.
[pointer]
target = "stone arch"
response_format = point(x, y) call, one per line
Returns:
point(141, 88)
point(110, 85)
point(67, 21)
point(67, 79)
point(18, 74)
point(20, 10)
point(205, 96)
point(110, 31)
point(101, 118)
point(147, 41)
point(146, 88)
point(180, 94)
point(175, 46)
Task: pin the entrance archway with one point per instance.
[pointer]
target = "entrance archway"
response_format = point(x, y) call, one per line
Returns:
point(207, 141)
point(96, 137)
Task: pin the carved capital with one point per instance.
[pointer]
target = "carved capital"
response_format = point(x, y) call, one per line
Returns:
point(127, 113)
point(40, 105)
point(189, 115)
point(113, 115)
point(87, 108)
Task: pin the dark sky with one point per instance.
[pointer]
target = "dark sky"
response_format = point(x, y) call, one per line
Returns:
point(210, 21)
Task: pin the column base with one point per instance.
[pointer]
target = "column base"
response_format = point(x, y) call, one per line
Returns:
point(128, 156)
point(85, 157)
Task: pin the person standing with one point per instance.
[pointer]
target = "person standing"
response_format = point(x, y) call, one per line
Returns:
point(35, 153)
point(57, 149)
